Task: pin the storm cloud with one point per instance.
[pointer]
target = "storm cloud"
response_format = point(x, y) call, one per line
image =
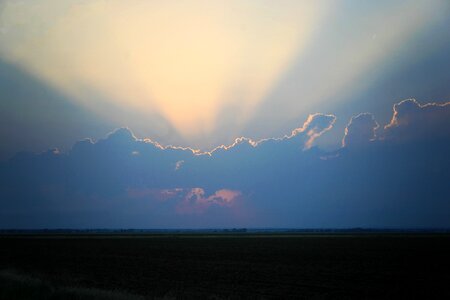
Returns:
point(391, 176)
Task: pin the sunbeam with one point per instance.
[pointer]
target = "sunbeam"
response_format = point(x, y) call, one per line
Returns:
point(181, 59)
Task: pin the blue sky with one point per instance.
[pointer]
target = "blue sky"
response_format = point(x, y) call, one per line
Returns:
point(318, 89)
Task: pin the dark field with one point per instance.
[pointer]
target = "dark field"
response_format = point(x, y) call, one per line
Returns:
point(232, 266)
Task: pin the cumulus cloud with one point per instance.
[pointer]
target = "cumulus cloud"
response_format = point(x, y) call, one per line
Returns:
point(412, 120)
point(315, 126)
point(360, 130)
point(195, 200)
point(283, 182)
point(187, 201)
point(154, 194)
point(178, 164)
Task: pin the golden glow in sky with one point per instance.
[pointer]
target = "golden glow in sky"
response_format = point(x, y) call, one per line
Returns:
point(184, 59)
point(188, 61)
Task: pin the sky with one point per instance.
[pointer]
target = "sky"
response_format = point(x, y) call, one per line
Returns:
point(201, 114)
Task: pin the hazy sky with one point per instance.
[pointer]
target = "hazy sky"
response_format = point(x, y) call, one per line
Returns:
point(201, 73)
point(303, 81)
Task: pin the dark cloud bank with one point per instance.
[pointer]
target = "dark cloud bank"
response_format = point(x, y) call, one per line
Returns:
point(397, 175)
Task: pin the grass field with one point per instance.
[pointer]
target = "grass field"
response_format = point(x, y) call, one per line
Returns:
point(221, 266)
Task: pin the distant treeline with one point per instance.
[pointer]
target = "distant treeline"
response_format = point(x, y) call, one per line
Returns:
point(225, 231)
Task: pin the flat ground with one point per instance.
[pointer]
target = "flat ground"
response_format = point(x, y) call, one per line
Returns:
point(238, 266)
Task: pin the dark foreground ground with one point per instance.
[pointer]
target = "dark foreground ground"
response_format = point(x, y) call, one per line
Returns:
point(225, 266)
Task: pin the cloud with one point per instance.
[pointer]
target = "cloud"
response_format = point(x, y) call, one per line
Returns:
point(121, 135)
point(124, 181)
point(195, 200)
point(360, 130)
point(154, 194)
point(187, 200)
point(178, 164)
point(315, 126)
point(412, 120)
